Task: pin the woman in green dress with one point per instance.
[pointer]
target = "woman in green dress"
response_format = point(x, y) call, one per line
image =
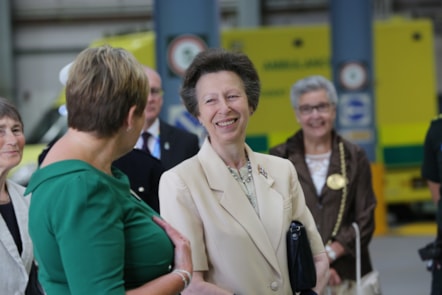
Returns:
point(91, 234)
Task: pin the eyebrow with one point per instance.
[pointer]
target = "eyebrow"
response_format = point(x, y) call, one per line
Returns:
point(3, 126)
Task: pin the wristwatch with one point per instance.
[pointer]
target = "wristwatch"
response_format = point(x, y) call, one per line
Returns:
point(330, 253)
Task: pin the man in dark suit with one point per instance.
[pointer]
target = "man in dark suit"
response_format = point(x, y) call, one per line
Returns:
point(144, 172)
point(168, 143)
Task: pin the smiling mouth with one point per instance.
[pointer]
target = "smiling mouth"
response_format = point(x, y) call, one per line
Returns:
point(11, 152)
point(226, 123)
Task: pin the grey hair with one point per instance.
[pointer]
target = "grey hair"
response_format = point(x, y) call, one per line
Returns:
point(312, 83)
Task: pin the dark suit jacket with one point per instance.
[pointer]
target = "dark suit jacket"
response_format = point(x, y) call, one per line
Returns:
point(177, 145)
point(144, 172)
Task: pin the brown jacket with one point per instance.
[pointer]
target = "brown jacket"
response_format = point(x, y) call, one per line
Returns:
point(360, 202)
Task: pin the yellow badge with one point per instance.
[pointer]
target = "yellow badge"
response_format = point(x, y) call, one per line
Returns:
point(336, 181)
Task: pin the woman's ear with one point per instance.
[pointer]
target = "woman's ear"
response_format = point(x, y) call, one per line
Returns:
point(130, 120)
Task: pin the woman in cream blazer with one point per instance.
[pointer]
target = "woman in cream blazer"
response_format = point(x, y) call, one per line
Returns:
point(234, 205)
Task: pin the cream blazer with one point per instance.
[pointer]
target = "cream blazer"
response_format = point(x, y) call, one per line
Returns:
point(240, 251)
point(14, 269)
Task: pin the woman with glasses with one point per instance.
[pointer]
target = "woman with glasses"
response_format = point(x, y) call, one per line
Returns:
point(336, 178)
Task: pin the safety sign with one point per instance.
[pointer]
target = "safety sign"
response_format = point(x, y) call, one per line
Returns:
point(181, 51)
point(355, 110)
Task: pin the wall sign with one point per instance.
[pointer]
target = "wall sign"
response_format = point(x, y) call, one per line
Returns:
point(182, 50)
point(353, 75)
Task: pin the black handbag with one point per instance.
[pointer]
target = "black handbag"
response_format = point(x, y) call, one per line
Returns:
point(302, 271)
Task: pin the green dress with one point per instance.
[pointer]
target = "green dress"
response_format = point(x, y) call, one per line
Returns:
point(90, 234)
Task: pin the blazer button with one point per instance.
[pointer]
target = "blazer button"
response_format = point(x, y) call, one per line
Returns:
point(274, 286)
point(141, 189)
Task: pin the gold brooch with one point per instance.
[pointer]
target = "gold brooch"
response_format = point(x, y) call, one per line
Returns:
point(336, 181)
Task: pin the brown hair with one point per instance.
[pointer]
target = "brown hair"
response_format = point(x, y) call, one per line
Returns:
point(103, 84)
point(215, 60)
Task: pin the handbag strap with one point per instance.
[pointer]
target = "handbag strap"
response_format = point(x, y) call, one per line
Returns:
point(344, 194)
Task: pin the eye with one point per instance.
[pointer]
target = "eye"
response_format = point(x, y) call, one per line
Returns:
point(156, 91)
point(17, 131)
point(209, 100)
point(232, 96)
point(323, 107)
point(305, 109)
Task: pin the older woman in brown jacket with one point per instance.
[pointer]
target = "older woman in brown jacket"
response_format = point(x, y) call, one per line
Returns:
point(335, 177)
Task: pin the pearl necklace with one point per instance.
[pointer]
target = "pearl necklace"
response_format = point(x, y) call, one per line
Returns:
point(239, 178)
point(245, 181)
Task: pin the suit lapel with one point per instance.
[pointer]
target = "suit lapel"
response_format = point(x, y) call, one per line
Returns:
point(21, 206)
point(235, 202)
point(164, 138)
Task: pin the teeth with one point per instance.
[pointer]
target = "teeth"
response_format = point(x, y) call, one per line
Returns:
point(226, 123)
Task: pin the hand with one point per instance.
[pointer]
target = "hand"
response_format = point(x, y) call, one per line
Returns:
point(183, 256)
point(334, 278)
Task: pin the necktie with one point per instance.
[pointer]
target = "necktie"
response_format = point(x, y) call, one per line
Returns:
point(145, 147)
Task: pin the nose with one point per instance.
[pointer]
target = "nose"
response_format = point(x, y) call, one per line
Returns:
point(224, 106)
point(315, 111)
point(10, 138)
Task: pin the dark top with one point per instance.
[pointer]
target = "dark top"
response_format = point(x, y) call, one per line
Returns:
point(176, 145)
point(144, 172)
point(8, 214)
point(432, 162)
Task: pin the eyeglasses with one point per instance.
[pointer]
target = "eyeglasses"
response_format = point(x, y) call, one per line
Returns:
point(156, 92)
point(308, 109)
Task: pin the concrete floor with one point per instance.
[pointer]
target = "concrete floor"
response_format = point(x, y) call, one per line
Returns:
point(401, 270)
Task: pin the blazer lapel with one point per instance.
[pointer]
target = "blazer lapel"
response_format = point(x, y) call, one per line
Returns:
point(270, 201)
point(21, 211)
point(21, 207)
point(235, 202)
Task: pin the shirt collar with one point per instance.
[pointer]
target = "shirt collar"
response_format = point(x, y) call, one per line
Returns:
point(154, 129)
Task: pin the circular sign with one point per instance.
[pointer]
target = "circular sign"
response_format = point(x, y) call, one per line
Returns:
point(182, 50)
point(353, 75)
